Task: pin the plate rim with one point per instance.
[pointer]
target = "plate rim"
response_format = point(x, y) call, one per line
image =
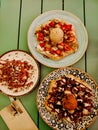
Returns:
point(65, 12)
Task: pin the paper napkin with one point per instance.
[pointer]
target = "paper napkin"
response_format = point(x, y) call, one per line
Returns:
point(16, 117)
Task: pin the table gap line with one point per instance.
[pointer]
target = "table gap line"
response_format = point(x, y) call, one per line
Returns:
point(41, 6)
point(62, 4)
point(84, 17)
point(19, 23)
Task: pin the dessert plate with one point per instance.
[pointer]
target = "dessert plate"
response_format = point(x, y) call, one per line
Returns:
point(81, 34)
point(19, 73)
point(55, 121)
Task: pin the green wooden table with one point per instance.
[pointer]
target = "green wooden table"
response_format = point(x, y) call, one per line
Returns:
point(15, 19)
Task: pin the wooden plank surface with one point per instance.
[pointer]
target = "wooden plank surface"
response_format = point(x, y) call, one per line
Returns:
point(15, 19)
point(91, 8)
point(92, 27)
point(29, 11)
point(77, 8)
point(9, 17)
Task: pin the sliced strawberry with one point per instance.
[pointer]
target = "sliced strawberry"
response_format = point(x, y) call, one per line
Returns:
point(46, 27)
point(69, 27)
point(58, 52)
point(47, 48)
point(40, 36)
point(62, 44)
point(67, 47)
point(52, 51)
point(71, 38)
point(64, 27)
point(60, 24)
point(42, 44)
point(52, 24)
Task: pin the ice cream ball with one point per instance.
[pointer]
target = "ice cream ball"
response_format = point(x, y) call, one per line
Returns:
point(69, 102)
point(56, 35)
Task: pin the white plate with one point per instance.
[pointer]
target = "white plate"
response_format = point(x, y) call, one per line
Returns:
point(52, 120)
point(23, 56)
point(81, 33)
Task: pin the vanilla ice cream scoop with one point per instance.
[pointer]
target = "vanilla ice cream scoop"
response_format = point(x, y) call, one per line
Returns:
point(56, 35)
